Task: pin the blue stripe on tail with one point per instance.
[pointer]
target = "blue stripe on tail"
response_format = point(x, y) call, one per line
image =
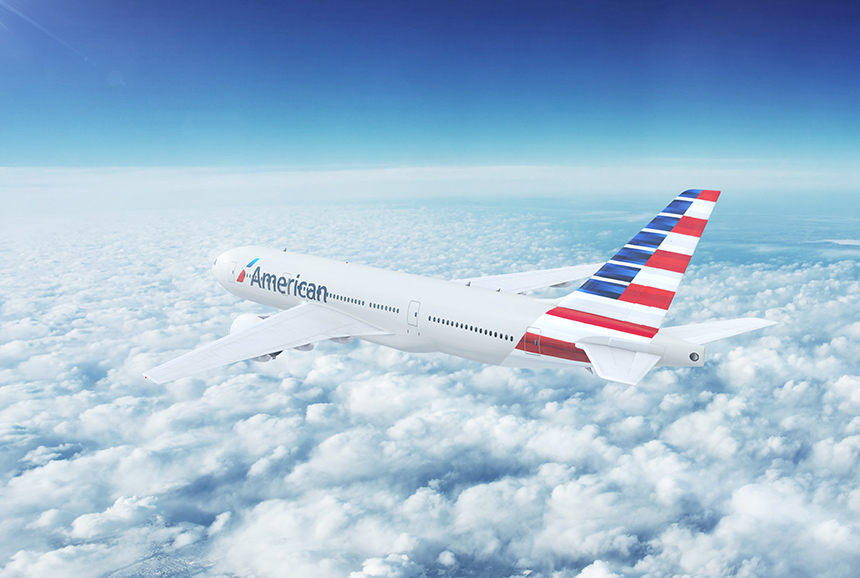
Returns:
point(635, 256)
point(603, 288)
point(617, 272)
point(662, 223)
point(647, 239)
point(678, 207)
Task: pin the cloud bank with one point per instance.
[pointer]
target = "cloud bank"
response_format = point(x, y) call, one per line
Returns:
point(357, 461)
point(60, 189)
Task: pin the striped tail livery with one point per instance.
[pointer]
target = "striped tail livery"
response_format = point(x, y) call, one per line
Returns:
point(613, 320)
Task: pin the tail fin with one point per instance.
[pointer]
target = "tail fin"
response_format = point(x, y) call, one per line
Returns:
point(631, 293)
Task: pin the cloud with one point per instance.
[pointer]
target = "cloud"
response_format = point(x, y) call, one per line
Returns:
point(125, 512)
point(355, 460)
point(848, 242)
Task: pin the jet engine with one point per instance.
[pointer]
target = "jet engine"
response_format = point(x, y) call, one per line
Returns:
point(245, 321)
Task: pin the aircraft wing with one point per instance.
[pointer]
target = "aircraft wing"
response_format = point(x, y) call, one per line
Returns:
point(701, 333)
point(531, 280)
point(300, 325)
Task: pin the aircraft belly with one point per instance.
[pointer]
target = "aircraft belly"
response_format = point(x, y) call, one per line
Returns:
point(403, 343)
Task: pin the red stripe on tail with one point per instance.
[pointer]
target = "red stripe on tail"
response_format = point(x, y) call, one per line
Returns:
point(690, 226)
point(709, 196)
point(650, 296)
point(668, 261)
point(605, 322)
point(551, 347)
point(562, 350)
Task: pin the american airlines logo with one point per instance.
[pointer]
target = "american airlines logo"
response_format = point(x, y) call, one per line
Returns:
point(284, 285)
point(241, 276)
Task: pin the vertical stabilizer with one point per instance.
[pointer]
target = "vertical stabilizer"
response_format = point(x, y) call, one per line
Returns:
point(630, 294)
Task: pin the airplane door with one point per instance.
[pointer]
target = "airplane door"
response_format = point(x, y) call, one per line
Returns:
point(532, 340)
point(412, 313)
point(233, 271)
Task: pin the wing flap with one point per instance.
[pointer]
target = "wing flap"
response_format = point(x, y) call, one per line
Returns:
point(306, 323)
point(531, 280)
point(701, 333)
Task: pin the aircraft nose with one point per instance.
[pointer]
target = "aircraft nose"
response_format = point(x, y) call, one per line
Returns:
point(219, 267)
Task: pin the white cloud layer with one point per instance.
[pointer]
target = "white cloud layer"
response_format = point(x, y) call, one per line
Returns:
point(359, 461)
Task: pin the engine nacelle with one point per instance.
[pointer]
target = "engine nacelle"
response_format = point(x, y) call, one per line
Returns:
point(245, 321)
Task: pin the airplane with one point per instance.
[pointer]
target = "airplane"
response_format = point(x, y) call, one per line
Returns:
point(610, 325)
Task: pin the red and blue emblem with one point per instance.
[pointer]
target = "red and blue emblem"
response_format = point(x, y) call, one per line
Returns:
point(241, 276)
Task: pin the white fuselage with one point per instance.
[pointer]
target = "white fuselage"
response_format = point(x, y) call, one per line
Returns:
point(421, 314)
point(611, 324)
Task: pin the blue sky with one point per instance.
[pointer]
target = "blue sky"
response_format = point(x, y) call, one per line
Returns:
point(347, 84)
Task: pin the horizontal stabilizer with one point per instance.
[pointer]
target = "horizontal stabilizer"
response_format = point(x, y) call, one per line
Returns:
point(701, 333)
point(616, 364)
point(301, 325)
